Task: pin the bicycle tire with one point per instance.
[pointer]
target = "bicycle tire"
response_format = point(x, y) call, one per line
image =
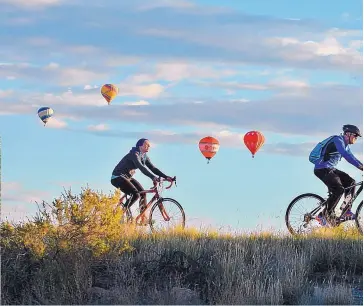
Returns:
point(293, 202)
point(166, 200)
point(358, 211)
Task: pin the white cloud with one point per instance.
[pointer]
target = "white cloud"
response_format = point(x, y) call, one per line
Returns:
point(15, 192)
point(98, 127)
point(285, 84)
point(70, 98)
point(31, 3)
point(52, 66)
point(77, 76)
point(141, 102)
point(167, 3)
point(176, 71)
point(88, 87)
point(145, 91)
point(294, 49)
point(56, 123)
point(6, 93)
point(52, 73)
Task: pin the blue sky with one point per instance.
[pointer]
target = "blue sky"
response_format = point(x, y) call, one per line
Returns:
point(185, 70)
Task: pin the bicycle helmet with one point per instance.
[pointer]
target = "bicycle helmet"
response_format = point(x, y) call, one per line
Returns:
point(352, 129)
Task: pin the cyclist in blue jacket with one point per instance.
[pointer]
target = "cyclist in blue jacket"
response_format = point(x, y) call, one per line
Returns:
point(334, 179)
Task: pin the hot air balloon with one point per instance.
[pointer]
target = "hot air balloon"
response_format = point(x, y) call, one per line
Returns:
point(109, 92)
point(45, 113)
point(254, 140)
point(209, 147)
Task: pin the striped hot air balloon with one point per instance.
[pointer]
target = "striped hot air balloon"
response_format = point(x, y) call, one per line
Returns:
point(45, 113)
point(109, 92)
point(209, 147)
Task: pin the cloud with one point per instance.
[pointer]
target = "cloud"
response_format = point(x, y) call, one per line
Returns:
point(167, 3)
point(15, 192)
point(176, 71)
point(52, 72)
point(98, 127)
point(6, 93)
point(316, 111)
point(275, 84)
point(18, 202)
point(87, 87)
point(145, 91)
point(145, 33)
point(141, 102)
point(226, 137)
point(31, 3)
point(56, 123)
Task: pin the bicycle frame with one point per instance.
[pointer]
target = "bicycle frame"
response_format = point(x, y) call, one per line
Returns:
point(351, 201)
point(156, 198)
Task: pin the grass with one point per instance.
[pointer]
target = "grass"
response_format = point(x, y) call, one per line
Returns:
point(81, 254)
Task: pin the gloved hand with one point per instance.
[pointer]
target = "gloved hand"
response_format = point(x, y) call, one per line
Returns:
point(156, 180)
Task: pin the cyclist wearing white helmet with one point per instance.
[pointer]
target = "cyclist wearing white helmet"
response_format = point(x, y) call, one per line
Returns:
point(326, 156)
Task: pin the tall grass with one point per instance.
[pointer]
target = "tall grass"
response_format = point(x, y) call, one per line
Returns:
point(76, 251)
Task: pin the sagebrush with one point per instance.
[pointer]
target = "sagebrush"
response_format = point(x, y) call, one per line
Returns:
point(76, 251)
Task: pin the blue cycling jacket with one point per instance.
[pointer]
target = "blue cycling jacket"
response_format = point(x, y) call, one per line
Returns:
point(335, 150)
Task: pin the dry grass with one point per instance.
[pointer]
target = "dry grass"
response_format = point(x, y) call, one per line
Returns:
point(86, 257)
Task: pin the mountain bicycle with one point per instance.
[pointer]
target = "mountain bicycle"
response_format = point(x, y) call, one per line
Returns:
point(157, 207)
point(307, 215)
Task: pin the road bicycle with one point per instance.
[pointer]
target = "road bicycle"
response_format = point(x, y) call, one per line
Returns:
point(157, 207)
point(306, 218)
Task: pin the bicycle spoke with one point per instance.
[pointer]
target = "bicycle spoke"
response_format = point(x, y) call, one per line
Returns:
point(359, 217)
point(168, 216)
point(301, 213)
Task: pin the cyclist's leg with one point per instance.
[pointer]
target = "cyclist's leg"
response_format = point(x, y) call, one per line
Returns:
point(347, 181)
point(334, 184)
point(127, 187)
point(139, 187)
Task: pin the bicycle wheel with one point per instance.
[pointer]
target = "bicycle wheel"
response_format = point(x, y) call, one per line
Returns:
point(359, 217)
point(166, 214)
point(306, 215)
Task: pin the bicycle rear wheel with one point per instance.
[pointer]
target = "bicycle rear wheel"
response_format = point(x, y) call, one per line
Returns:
point(359, 217)
point(167, 214)
point(303, 220)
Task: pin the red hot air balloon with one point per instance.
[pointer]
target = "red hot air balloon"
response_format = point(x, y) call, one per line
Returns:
point(254, 140)
point(209, 147)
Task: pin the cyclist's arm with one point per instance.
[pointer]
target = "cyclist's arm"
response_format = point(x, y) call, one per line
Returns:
point(347, 154)
point(155, 170)
point(140, 166)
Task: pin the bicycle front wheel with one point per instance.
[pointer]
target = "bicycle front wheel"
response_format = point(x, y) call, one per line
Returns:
point(359, 217)
point(167, 214)
point(301, 213)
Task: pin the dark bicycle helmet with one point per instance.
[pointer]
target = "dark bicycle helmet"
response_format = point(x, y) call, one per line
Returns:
point(352, 129)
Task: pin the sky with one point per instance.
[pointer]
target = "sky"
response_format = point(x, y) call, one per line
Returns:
point(185, 70)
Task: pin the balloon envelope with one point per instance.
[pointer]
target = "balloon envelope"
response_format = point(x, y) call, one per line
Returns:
point(254, 140)
point(109, 92)
point(209, 147)
point(45, 113)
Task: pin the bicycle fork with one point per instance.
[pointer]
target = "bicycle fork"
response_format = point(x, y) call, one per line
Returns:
point(163, 212)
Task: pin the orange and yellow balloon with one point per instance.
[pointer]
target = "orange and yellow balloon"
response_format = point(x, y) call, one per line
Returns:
point(254, 140)
point(109, 92)
point(209, 147)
